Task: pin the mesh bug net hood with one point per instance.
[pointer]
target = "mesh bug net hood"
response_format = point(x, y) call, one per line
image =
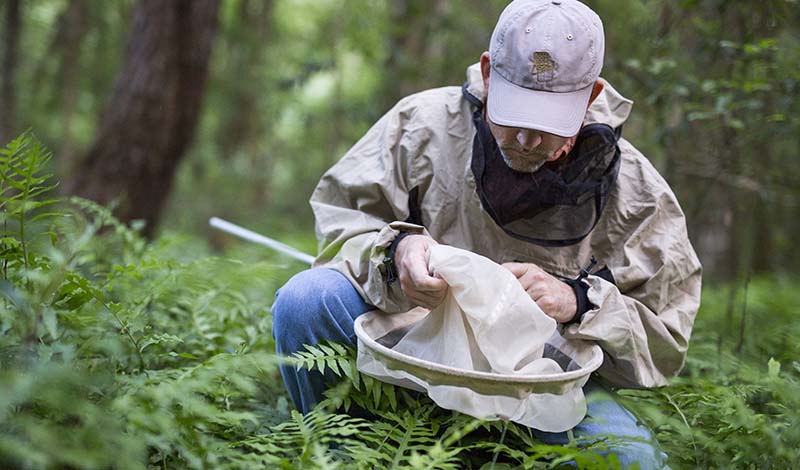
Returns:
point(560, 203)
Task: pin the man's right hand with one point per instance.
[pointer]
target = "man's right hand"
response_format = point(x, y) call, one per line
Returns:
point(417, 283)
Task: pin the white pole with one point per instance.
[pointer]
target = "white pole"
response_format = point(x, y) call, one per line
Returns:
point(249, 235)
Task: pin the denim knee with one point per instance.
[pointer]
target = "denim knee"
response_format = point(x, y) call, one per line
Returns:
point(309, 305)
point(636, 443)
point(300, 300)
point(646, 455)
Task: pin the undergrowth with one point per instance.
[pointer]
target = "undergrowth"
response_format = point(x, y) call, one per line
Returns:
point(118, 353)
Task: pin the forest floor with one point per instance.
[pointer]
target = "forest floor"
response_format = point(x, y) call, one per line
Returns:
point(116, 352)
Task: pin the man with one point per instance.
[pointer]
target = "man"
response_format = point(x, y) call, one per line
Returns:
point(524, 165)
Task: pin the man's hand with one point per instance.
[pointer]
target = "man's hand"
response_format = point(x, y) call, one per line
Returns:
point(554, 297)
point(411, 262)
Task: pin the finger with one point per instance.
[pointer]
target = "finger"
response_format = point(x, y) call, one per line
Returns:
point(430, 284)
point(529, 281)
point(542, 284)
point(517, 269)
point(423, 297)
point(427, 301)
point(545, 302)
point(430, 288)
point(537, 275)
point(535, 291)
point(422, 278)
point(412, 268)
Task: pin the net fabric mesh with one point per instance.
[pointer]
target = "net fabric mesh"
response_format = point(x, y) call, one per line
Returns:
point(557, 205)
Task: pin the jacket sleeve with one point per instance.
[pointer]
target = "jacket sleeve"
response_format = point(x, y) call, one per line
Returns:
point(362, 203)
point(643, 319)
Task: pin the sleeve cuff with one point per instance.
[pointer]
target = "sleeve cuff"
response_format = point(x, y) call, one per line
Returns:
point(382, 253)
point(389, 262)
point(581, 290)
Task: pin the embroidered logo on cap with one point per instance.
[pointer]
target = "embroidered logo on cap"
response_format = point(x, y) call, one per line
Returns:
point(542, 66)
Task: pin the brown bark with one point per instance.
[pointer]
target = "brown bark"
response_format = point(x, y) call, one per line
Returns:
point(413, 24)
point(7, 97)
point(72, 30)
point(244, 129)
point(243, 126)
point(153, 109)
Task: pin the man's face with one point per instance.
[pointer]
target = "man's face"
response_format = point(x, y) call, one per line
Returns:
point(526, 150)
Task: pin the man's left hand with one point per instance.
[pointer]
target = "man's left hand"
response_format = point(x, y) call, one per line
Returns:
point(554, 297)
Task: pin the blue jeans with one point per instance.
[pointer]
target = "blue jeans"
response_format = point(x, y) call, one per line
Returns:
point(321, 304)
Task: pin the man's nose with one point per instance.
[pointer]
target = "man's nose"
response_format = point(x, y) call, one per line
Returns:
point(528, 139)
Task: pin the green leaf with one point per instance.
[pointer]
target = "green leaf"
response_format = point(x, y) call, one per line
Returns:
point(388, 390)
point(774, 368)
point(49, 322)
point(350, 371)
point(377, 388)
point(150, 340)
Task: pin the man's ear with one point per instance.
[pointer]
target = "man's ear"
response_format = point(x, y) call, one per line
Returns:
point(485, 68)
point(598, 88)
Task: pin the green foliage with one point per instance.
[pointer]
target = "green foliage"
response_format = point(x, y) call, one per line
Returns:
point(735, 405)
point(294, 83)
point(365, 391)
point(24, 180)
point(116, 353)
point(119, 353)
point(317, 440)
point(408, 430)
point(113, 355)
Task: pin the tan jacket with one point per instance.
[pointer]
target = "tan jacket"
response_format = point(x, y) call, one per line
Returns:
point(644, 319)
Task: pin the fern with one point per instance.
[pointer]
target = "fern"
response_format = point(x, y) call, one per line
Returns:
point(421, 435)
point(302, 440)
point(328, 356)
point(116, 352)
point(23, 180)
point(361, 389)
point(398, 436)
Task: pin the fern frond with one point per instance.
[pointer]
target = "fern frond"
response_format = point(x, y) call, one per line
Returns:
point(398, 435)
point(303, 439)
point(328, 356)
point(437, 457)
point(340, 360)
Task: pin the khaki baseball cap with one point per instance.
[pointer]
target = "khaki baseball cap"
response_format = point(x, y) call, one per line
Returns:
point(545, 57)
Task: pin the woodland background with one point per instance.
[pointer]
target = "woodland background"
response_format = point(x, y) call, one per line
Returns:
point(174, 111)
point(235, 108)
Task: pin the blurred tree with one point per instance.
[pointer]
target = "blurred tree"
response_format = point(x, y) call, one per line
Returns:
point(411, 25)
point(727, 150)
point(294, 83)
point(8, 99)
point(242, 127)
point(244, 48)
point(68, 42)
point(153, 111)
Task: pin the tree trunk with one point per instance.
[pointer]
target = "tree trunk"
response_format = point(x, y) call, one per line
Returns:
point(7, 97)
point(72, 31)
point(246, 51)
point(412, 24)
point(153, 109)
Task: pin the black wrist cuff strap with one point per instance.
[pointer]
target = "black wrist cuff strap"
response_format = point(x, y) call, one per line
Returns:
point(388, 260)
point(581, 291)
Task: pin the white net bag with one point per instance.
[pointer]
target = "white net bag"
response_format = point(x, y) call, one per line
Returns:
point(488, 350)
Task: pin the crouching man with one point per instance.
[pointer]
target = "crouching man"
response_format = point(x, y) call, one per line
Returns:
point(523, 164)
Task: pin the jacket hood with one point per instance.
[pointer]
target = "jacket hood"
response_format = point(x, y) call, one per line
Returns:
point(610, 107)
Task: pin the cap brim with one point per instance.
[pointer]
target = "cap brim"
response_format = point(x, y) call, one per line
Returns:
point(559, 113)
